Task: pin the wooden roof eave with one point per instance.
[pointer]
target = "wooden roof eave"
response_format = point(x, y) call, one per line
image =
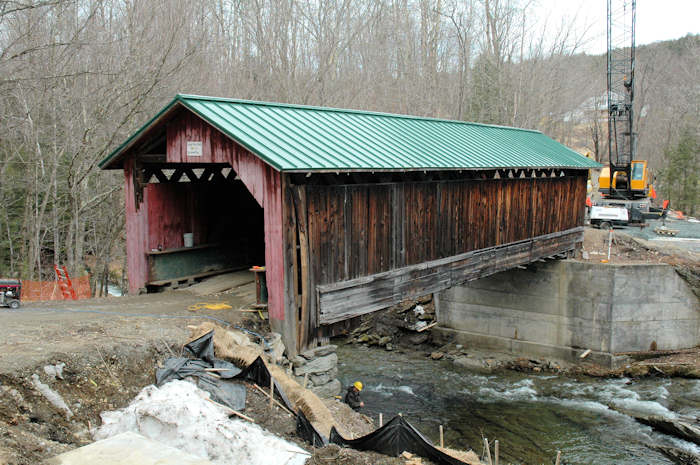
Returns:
point(115, 159)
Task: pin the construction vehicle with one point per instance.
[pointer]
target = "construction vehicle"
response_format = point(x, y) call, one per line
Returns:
point(10, 292)
point(625, 182)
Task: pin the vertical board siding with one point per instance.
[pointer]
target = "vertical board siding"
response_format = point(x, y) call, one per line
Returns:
point(216, 148)
point(263, 182)
point(390, 226)
point(274, 243)
point(169, 215)
point(342, 232)
point(177, 208)
point(136, 231)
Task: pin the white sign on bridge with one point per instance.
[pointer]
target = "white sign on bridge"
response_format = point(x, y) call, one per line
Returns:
point(194, 148)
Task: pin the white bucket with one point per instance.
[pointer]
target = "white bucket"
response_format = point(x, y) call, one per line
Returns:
point(189, 239)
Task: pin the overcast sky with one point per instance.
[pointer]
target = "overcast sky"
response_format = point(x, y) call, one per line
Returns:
point(656, 19)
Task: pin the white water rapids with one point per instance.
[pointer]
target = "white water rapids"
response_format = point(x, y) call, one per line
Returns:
point(531, 415)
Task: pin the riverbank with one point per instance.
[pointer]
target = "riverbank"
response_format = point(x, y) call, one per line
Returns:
point(532, 414)
point(77, 360)
point(407, 327)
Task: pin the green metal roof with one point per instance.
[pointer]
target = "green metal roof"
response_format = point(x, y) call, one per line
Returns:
point(305, 138)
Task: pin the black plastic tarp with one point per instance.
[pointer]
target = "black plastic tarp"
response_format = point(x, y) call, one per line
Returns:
point(258, 373)
point(219, 384)
point(203, 349)
point(393, 438)
point(308, 433)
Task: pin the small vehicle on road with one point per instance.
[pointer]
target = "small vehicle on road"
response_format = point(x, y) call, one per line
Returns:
point(10, 292)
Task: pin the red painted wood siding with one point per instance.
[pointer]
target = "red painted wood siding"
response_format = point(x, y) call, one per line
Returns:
point(251, 170)
point(274, 243)
point(216, 148)
point(136, 232)
point(215, 212)
point(168, 215)
point(262, 181)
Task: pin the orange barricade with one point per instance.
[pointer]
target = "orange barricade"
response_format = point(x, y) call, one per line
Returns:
point(49, 290)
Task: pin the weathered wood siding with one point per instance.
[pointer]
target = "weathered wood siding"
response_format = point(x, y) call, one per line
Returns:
point(348, 299)
point(136, 231)
point(261, 180)
point(359, 230)
point(365, 230)
point(180, 207)
point(188, 127)
point(216, 148)
point(323, 240)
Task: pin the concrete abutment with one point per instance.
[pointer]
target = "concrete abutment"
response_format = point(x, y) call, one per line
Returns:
point(562, 308)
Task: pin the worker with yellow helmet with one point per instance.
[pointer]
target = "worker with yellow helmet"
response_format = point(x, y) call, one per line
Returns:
point(352, 397)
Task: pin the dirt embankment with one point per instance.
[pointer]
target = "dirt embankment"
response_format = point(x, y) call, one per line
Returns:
point(628, 250)
point(96, 355)
point(33, 429)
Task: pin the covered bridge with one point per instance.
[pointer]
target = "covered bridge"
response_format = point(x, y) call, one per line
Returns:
point(350, 211)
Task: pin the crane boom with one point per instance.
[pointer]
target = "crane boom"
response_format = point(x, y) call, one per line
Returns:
point(625, 177)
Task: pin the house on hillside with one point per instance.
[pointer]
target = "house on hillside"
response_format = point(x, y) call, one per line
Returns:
point(349, 211)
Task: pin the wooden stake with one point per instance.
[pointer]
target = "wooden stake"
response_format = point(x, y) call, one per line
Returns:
point(427, 327)
point(231, 411)
point(274, 400)
point(306, 379)
point(272, 390)
point(442, 438)
point(558, 458)
point(488, 451)
point(495, 452)
point(381, 420)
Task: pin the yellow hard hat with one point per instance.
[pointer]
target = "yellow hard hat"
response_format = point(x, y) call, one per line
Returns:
point(358, 385)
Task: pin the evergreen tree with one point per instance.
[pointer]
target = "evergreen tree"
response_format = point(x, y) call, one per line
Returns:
point(681, 176)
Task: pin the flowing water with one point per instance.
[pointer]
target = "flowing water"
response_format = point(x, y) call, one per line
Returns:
point(531, 415)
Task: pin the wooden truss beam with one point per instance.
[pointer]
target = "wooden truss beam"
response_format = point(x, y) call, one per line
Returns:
point(348, 299)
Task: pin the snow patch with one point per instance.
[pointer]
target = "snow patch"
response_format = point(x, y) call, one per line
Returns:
point(52, 396)
point(178, 414)
point(55, 371)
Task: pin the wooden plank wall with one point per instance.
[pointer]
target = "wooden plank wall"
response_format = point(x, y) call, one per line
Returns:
point(179, 207)
point(348, 299)
point(261, 180)
point(358, 230)
point(136, 231)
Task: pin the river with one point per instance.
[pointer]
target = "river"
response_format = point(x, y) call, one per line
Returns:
point(532, 415)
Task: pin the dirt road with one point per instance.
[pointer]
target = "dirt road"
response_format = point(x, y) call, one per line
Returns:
point(56, 331)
